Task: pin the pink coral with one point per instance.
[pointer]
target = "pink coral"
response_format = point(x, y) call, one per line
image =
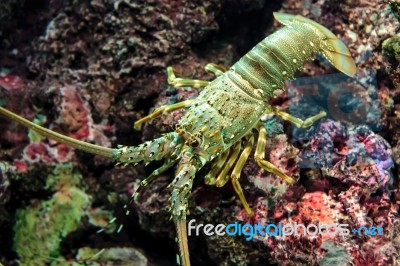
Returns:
point(314, 207)
point(75, 117)
point(11, 82)
point(74, 114)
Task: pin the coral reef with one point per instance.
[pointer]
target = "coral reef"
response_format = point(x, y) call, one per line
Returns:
point(352, 189)
point(90, 69)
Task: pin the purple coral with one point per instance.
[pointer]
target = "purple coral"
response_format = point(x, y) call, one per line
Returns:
point(355, 154)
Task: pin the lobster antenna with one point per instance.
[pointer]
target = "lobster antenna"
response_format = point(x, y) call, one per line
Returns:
point(77, 144)
point(181, 231)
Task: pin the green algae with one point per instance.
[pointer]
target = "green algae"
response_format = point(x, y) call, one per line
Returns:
point(40, 227)
point(391, 47)
point(62, 176)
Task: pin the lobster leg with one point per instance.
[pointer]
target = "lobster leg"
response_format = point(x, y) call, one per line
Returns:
point(180, 82)
point(162, 110)
point(297, 121)
point(260, 154)
point(217, 70)
point(216, 168)
point(237, 171)
point(168, 164)
point(223, 176)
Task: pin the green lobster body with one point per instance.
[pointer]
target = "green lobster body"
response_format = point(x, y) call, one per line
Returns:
point(276, 58)
point(222, 118)
point(231, 105)
point(221, 115)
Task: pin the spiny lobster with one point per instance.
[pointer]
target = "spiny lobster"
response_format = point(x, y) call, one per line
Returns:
point(219, 124)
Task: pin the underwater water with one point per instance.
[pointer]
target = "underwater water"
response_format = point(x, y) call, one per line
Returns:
point(90, 69)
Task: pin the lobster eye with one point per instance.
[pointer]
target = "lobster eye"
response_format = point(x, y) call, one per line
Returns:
point(194, 143)
point(179, 128)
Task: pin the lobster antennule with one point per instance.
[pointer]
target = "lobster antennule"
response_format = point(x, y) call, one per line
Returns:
point(181, 189)
point(333, 49)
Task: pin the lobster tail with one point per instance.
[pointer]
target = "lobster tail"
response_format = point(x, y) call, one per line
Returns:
point(339, 56)
point(276, 58)
point(331, 47)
